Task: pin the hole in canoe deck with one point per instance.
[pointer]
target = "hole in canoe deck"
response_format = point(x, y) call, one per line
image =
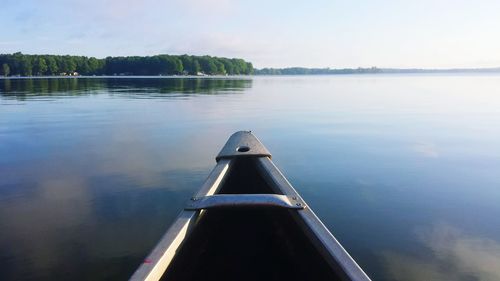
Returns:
point(243, 149)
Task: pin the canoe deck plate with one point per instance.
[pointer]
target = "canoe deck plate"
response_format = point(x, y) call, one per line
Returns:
point(243, 144)
point(245, 200)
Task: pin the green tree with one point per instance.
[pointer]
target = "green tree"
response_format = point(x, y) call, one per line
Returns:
point(40, 66)
point(196, 68)
point(67, 64)
point(178, 68)
point(208, 65)
point(5, 69)
point(52, 68)
point(26, 66)
point(187, 64)
point(220, 67)
point(228, 66)
point(94, 66)
point(83, 67)
point(70, 64)
point(249, 68)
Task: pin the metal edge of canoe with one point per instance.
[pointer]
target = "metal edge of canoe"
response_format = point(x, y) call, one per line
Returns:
point(156, 263)
point(331, 249)
point(245, 144)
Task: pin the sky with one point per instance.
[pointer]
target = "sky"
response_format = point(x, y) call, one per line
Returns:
point(323, 33)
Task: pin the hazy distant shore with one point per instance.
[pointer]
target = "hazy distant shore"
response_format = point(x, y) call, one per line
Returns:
point(371, 70)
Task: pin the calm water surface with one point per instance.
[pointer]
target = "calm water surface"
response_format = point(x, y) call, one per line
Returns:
point(403, 169)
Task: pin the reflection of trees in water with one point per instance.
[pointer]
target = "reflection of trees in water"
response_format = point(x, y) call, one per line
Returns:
point(26, 88)
point(453, 256)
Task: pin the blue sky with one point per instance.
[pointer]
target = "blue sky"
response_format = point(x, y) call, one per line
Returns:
point(330, 33)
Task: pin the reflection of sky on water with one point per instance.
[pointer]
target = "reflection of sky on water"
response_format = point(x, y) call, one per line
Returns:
point(426, 149)
point(450, 255)
point(84, 216)
point(87, 188)
point(91, 174)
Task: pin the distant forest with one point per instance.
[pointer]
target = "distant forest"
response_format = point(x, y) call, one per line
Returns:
point(371, 70)
point(314, 71)
point(19, 64)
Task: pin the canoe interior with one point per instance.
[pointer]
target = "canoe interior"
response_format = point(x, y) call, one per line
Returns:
point(248, 244)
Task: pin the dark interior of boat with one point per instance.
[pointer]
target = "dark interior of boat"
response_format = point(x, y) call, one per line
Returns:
point(248, 243)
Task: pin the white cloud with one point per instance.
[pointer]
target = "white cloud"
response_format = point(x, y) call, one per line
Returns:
point(268, 33)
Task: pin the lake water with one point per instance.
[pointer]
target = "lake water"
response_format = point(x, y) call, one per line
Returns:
point(403, 169)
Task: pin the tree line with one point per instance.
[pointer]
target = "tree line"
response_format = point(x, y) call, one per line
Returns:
point(315, 71)
point(369, 70)
point(19, 64)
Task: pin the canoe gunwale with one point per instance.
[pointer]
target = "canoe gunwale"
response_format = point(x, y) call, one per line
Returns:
point(159, 259)
point(331, 249)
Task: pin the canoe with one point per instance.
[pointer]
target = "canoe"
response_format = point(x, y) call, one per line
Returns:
point(247, 222)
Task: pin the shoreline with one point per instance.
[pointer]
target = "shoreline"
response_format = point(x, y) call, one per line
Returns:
point(432, 73)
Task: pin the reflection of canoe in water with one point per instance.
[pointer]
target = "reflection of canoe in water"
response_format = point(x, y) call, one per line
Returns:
point(248, 223)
